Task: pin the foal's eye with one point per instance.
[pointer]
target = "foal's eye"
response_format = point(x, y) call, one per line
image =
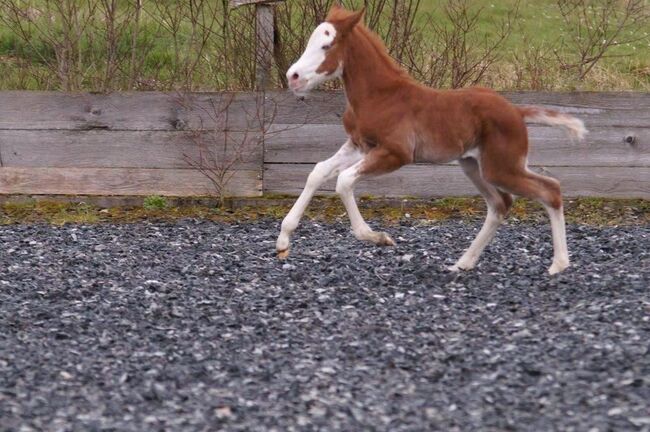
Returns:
point(326, 47)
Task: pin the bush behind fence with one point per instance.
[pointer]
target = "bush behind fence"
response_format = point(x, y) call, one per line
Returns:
point(111, 45)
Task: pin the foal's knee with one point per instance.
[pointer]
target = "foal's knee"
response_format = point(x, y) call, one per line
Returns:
point(344, 182)
point(318, 174)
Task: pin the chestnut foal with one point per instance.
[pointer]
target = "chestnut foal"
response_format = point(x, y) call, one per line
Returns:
point(392, 120)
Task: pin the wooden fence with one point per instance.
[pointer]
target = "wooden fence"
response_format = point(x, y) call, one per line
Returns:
point(142, 144)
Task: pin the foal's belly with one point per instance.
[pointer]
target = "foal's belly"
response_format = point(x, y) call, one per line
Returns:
point(434, 153)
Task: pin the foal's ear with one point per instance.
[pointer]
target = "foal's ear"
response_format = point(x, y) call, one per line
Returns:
point(345, 25)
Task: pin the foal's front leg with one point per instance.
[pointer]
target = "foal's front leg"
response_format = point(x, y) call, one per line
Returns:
point(326, 170)
point(374, 163)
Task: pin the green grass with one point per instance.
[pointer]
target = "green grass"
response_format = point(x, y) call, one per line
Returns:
point(627, 67)
point(24, 65)
point(155, 202)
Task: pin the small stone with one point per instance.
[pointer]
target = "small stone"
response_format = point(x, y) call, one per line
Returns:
point(615, 411)
point(317, 411)
point(406, 258)
point(522, 334)
point(640, 421)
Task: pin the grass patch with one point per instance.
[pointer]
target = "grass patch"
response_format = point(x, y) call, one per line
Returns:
point(30, 62)
point(155, 202)
point(590, 211)
point(52, 212)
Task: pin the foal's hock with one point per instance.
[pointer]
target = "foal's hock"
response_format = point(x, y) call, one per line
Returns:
point(392, 120)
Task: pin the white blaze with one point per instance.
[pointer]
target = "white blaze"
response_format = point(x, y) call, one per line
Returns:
point(311, 59)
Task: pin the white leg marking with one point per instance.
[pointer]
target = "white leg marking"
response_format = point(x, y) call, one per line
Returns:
point(484, 237)
point(361, 230)
point(492, 220)
point(323, 171)
point(560, 250)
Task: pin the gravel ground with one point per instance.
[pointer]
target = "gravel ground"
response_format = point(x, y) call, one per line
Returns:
point(196, 326)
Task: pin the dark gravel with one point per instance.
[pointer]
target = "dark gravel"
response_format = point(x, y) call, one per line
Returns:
point(196, 326)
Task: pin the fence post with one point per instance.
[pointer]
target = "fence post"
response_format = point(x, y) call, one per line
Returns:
point(264, 38)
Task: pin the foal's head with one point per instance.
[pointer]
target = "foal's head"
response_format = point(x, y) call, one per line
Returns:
point(323, 56)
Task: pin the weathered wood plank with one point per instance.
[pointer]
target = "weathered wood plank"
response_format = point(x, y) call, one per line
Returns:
point(413, 180)
point(445, 180)
point(264, 35)
point(548, 146)
point(596, 109)
point(130, 111)
point(237, 3)
point(121, 181)
point(317, 108)
point(128, 149)
point(173, 111)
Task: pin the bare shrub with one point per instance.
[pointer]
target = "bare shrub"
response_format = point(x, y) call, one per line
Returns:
point(117, 30)
point(58, 26)
point(228, 133)
point(458, 56)
point(229, 59)
point(220, 150)
point(84, 44)
point(533, 66)
point(594, 27)
point(190, 25)
point(402, 29)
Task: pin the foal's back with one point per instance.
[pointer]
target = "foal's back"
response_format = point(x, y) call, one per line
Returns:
point(451, 123)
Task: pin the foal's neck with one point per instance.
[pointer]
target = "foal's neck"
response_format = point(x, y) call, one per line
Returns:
point(368, 70)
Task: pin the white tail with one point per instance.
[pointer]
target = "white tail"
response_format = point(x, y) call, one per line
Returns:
point(574, 126)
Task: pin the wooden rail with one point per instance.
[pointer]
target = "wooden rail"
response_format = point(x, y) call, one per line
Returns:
point(141, 144)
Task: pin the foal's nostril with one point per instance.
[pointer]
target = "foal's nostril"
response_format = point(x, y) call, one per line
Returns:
point(295, 76)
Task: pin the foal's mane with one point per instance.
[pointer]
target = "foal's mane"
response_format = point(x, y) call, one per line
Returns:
point(380, 48)
point(372, 38)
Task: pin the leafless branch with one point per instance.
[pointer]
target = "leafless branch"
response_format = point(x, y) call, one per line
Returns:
point(593, 27)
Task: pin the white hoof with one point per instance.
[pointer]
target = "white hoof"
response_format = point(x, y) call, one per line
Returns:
point(378, 238)
point(461, 266)
point(283, 243)
point(464, 263)
point(383, 239)
point(557, 267)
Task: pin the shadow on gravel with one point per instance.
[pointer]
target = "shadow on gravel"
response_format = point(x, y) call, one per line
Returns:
point(197, 326)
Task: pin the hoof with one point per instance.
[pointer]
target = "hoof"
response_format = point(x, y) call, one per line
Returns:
point(383, 239)
point(557, 267)
point(460, 266)
point(283, 254)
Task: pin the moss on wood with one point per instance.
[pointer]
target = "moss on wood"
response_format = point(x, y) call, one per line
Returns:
point(591, 211)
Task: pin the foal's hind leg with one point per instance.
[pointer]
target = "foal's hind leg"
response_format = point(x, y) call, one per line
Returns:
point(323, 171)
point(498, 204)
point(520, 181)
